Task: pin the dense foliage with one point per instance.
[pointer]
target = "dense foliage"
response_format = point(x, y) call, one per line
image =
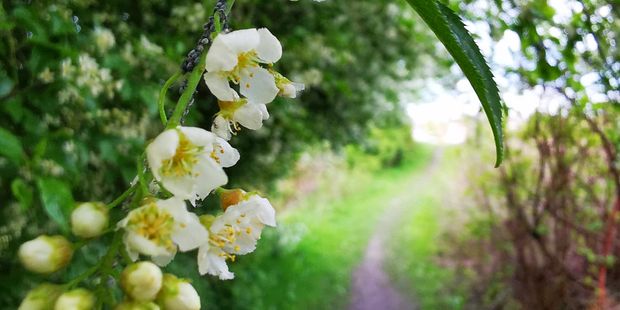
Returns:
point(545, 232)
point(79, 83)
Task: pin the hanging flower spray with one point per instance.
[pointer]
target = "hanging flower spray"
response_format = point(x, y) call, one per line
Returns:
point(183, 165)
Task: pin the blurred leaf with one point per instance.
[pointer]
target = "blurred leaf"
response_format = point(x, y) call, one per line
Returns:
point(57, 200)
point(10, 146)
point(23, 193)
point(6, 84)
point(40, 149)
point(452, 33)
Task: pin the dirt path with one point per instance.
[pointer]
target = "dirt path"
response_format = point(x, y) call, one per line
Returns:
point(372, 288)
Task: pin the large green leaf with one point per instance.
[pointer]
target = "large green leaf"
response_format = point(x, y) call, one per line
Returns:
point(452, 33)
point(57, 201)
point(10, 146)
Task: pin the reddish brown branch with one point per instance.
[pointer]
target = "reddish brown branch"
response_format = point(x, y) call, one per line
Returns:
point(610, 235)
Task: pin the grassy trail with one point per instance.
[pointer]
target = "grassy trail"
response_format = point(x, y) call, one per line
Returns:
point(372, 287)
point(308, 262)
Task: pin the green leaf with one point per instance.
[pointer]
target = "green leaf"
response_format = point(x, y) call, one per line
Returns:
point(452, 33)
point(57, 201)
point(10, 146)
point(23, 193)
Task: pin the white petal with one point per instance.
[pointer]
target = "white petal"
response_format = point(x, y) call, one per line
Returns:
point(260, 208)
point(258, 85)
point(133, 255)
point(181, 187)
point(245, 243)
point(223, 220)
point(299, 87)
point(210, 262)
point(241, 41)
point(143, 245)
point(265, 212)
point(199, 137)
point(288, 90)
point(175, 207)
point(122, 223)
point(210, 176)
point(269, 48)
point(164, 259)
point(162, 148)
point(220, 57)
point(189, 234)
point(264, 112)
point(219, 86)
point(227, 154)
point(221, 127)
point(249, 116)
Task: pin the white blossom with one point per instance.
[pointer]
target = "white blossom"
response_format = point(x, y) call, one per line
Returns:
point(46, 76)
point(286, 87)
point(239, 112)
point(188, 161)
point(104, 39)
point(235, 232)
point(236, 57)
point(159, 227)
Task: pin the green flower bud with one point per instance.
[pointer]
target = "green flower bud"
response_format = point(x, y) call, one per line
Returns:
point(41, 297)
point(45, 254)
point(178, 294)
point(89, 220)
point(141, 281)
point(77, 299)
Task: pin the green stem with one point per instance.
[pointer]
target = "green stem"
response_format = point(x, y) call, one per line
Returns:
point(85, 275)
point(192, 83)
point(123, 196)
point(104, 264)
point(161, 103)
point(230, 7)
point(141, 177)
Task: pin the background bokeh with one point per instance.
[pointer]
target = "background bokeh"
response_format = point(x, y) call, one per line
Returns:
point(79, 82)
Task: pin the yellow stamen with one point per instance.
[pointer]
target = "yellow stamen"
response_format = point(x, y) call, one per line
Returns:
point(153, 224)
point(185, 157)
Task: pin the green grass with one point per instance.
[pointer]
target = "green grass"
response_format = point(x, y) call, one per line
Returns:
point(307, 262)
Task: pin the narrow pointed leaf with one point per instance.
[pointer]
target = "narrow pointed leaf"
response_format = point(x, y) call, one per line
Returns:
point(452, 33)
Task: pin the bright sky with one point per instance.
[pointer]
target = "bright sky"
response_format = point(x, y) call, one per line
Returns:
point(440, 117)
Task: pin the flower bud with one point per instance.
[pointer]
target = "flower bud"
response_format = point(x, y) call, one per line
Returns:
point(141, 281)
point(178, 294)
point(89, 219)
point(45, 254)
point(137, 305)
point(231, 197)
point(77, 299)
point(41, 297)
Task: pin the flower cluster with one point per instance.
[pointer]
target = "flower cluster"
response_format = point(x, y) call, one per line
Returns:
point(86, 74)
point(185, 165)
point(240, 58)
point(235, 232)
